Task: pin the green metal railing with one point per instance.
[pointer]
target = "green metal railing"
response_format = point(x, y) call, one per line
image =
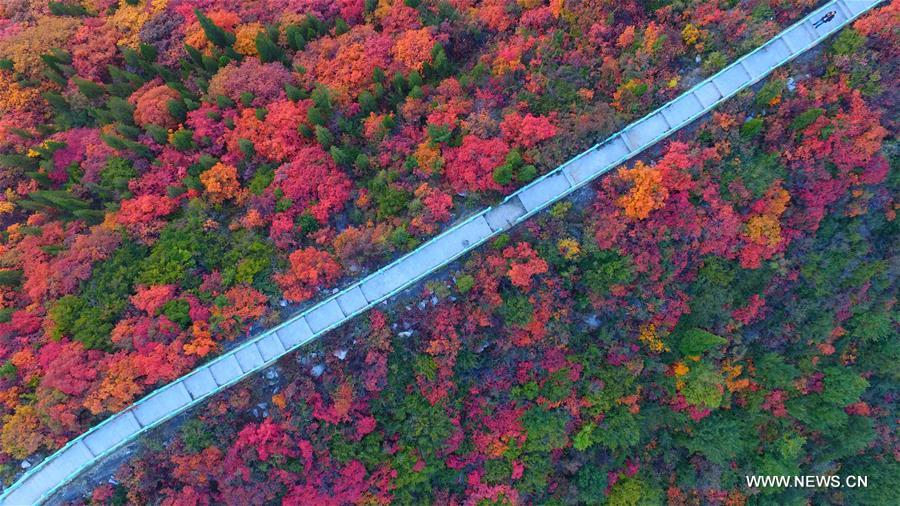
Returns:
point(32, 476)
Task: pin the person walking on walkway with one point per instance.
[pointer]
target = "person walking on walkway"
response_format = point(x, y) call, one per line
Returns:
point(824, 19)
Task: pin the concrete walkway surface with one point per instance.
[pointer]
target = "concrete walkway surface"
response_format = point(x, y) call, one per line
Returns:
point(44, 479)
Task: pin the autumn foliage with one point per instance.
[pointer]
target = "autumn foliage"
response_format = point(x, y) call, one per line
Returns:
point(470, 166)
point(221, 182)
point(151, 105)
point(177, 174)
point(310, 269)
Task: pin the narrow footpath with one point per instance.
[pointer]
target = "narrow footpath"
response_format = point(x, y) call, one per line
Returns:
point(262, 350)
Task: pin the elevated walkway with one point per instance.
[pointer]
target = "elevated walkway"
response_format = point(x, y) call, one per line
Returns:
point(44, 479)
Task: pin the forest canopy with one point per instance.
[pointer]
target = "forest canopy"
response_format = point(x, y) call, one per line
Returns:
point(178, 174)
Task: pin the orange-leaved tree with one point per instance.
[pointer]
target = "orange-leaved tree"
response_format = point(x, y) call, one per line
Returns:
point(311, 269)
